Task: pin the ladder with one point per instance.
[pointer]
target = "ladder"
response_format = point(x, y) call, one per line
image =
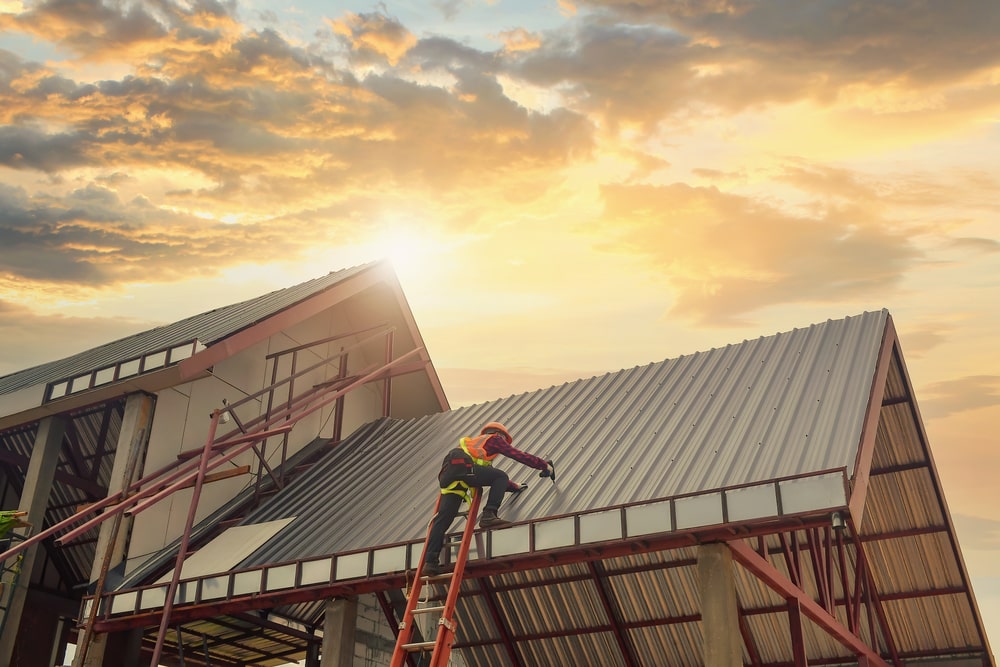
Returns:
point(440, 647)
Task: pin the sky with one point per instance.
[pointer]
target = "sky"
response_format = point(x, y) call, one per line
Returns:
point(565, 187)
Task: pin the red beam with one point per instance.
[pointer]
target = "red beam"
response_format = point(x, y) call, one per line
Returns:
point(770, 575)
point(869, 429)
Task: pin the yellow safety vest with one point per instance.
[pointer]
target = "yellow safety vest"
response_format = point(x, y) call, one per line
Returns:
point(476, 449)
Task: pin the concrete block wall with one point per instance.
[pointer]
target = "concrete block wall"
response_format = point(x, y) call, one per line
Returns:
point(374, 639)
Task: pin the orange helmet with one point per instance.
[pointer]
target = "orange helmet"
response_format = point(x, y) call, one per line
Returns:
point(497, 427)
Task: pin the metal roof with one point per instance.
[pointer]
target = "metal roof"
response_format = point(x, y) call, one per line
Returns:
point(206, 328)
point(774, 407)
point(601, 568)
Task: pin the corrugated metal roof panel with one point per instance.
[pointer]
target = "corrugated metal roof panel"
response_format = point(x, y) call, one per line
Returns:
point(676, 638)
point(208, 328)
point(734, 415)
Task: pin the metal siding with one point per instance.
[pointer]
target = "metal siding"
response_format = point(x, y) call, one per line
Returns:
point(917, 563)
point(924, 624)
point(590, 650)
point(677, 645)
point(649, 596)
point(551, 608)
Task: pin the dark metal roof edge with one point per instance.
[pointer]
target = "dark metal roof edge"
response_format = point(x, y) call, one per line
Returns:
point(91, 359)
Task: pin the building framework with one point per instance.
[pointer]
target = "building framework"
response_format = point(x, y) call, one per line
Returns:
point(772, 503)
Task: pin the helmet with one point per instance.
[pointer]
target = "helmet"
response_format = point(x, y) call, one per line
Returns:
point(497, 427)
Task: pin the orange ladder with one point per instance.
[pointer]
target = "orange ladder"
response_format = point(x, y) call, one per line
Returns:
point(440, 647)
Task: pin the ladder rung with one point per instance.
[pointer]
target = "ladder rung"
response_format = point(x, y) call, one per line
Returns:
point(437, 577)
point(428, 610)
point(418, 646)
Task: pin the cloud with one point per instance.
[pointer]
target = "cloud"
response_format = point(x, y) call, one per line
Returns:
point(670, 63)
point(91, 238)
point(923, 43)
point(519, 39)
point(374, 37)
point(42, 339)
point(977, 532)
point(972, 392)
point(727, 255)
point(221, 124)
point(626, 74)
point(215, 123)
point(100, 31)
point(918, 341)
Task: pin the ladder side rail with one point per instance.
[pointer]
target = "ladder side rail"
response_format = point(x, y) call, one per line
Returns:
point(406, 626)
point(447, 624)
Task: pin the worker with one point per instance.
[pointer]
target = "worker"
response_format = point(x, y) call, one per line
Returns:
point(470, 466)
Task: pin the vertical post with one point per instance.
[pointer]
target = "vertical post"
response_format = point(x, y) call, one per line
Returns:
point(34, 500)
point(795, 628)
point(340, 619)
point(338, 410)
point(387, 390)
point(719, 613)
point(168, 604)
point(113, 534)
point(312, 651)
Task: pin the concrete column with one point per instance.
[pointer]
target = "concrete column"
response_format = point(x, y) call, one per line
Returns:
point(720, 620)
point(110, 550)
point(339, 622)
point(34, 500)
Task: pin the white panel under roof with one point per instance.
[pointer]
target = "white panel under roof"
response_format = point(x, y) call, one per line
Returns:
point(228, 549)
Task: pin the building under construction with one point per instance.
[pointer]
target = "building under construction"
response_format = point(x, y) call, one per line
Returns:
point(251, 486)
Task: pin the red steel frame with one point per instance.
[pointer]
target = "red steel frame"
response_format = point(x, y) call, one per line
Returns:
point(189, 471)
point(807, 545)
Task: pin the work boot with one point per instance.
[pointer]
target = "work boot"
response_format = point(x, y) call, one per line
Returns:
point(431, 569)
point(491, 520)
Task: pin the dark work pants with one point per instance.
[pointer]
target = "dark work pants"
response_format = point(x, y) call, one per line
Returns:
point(482, 477)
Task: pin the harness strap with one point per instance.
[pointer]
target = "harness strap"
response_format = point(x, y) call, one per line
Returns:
point(459, 489)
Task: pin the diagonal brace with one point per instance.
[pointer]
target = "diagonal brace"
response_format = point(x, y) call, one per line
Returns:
point(778, 582)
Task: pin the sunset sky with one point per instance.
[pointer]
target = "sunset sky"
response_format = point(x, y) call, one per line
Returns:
point(565, 188)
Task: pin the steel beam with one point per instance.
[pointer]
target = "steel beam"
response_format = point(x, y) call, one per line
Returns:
point(770, 575)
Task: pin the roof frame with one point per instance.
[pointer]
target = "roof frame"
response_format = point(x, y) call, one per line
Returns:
point(767, 573)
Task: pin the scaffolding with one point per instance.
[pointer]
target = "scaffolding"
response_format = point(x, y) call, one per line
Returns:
point(285, 406)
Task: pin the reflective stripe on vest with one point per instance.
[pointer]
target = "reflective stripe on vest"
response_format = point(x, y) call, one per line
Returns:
point(476, 448)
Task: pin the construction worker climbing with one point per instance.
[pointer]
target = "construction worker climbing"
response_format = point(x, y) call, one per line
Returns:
point(470, 466)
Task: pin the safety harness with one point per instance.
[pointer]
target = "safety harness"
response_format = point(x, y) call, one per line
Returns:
point(459, 462)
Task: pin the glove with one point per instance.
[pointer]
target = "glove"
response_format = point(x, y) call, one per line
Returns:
point(549, 471)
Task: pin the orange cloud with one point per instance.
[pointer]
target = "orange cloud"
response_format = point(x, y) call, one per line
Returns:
point(728, 255)
point(519, 39)
point(374, 36)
